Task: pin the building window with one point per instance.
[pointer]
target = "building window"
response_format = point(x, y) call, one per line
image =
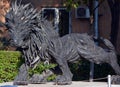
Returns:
point(60, 18)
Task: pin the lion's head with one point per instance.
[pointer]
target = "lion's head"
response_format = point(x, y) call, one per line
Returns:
point(19, 21)
point(29, 31)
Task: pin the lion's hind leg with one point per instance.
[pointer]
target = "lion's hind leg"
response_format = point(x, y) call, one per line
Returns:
point(112, 60)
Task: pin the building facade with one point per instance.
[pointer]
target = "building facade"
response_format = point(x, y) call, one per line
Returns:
point(76, 20)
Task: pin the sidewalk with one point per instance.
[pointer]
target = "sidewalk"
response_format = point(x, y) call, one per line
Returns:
point(74, 84)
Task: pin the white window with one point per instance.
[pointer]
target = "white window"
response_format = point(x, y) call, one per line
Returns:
point(61, 19)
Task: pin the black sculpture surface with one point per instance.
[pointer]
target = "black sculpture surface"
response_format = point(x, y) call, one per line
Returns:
point(38, 41)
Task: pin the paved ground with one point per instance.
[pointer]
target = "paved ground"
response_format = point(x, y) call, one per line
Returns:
point(74, 84)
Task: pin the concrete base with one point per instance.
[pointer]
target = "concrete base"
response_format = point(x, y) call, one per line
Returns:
point(74, 84)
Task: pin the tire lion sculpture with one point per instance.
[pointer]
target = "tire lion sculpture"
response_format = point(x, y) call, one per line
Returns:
point(39, 41)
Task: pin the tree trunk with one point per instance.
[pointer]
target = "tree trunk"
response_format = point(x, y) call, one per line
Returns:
point(115, 14)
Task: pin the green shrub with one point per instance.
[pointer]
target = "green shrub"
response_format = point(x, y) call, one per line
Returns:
point(42, 67)
point(10, 61)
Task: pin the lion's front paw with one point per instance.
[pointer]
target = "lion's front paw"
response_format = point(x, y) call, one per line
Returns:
point(36, 78)
point(62, 80)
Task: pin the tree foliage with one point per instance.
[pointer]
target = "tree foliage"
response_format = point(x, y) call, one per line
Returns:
point(74, 3)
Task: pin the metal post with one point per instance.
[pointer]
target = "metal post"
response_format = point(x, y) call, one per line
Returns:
point(96, 19)
point(96, 35)
point(91, 72)
point(70, 24)
point(109, 80)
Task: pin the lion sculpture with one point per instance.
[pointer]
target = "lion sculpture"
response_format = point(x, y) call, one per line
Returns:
point(38, 41)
